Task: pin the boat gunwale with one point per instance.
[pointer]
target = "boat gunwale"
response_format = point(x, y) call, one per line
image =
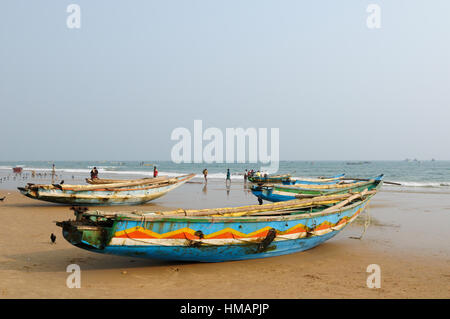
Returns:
point(339, 187)
point(105, 181)
point(269, 177)
point(326, 179)
point(110, 187)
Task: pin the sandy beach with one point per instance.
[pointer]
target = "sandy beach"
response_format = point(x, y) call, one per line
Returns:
point(407, 238)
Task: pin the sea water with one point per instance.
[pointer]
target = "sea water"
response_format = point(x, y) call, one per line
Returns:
point(413, 175)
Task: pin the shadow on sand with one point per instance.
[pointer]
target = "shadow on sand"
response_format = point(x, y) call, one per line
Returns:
point(58, 260)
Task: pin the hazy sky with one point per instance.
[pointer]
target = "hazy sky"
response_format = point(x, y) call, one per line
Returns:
point(116, 88)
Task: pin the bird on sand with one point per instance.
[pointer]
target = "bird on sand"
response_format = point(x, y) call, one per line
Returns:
point(260, 200)
point(53, 238)
point(2, 199)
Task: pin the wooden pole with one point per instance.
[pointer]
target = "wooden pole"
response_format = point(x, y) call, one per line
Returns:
point(368, 180)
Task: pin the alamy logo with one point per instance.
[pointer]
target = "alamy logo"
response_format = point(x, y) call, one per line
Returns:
point(374, 19)
point(74, 279)
point(74, 19)
point(374, 279)
point(237, 150)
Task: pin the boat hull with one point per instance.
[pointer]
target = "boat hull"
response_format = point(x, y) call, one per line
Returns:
point(218, 253)
point(212, 240)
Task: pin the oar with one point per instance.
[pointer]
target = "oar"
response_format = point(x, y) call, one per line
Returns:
point(368, 180)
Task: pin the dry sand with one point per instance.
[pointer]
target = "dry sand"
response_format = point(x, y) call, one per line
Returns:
point(407, 238)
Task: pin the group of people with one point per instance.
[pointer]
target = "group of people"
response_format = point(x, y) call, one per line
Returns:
point(205, 175)
point(252, 172)
point(94, 172)
point(247, 174)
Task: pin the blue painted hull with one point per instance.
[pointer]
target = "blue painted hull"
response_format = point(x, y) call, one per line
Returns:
point(269, 196)
point(222, 238)
point(218, 254)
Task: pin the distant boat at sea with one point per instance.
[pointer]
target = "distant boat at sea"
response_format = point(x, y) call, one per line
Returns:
point(17, 169)
point(357, 163)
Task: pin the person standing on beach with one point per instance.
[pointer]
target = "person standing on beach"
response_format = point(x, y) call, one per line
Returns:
point(53, 173)
point(245, 176)
point(205, 175)
point(155, 172)
point(228, 176)
point(94, 173)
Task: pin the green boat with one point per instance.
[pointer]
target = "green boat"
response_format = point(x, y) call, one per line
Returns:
point(264, 179)
point(278, 193)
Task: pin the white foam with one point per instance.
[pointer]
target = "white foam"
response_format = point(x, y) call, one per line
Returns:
point(424, 184)
point(112, 170)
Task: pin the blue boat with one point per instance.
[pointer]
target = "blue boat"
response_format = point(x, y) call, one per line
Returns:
point(216, 235)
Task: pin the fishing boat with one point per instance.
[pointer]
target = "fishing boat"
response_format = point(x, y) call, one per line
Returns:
point(215, 235)
point(357, 163)
point(97, 181)
point(269, 178)
point(315, 181)
point(127, 193)
point(278, 193)
point(17, 169)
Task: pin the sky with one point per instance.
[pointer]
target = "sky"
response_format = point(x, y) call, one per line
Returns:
point(117, 87)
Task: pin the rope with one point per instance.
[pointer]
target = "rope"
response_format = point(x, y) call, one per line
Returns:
point(366, 223)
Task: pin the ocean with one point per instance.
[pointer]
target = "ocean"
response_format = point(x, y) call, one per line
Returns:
point(413, 175)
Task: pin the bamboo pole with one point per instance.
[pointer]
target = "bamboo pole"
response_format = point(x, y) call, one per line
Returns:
point(248, 210)
point(101, 181)
point(345, 202)
point(117, 185)
point(367, 180)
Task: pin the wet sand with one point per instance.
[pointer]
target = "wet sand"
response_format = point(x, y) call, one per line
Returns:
point(407, 237)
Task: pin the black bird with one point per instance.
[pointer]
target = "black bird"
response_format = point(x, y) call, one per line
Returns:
point(62, 182)
point(53, 238)
point(2, 199)
point(260, 200)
